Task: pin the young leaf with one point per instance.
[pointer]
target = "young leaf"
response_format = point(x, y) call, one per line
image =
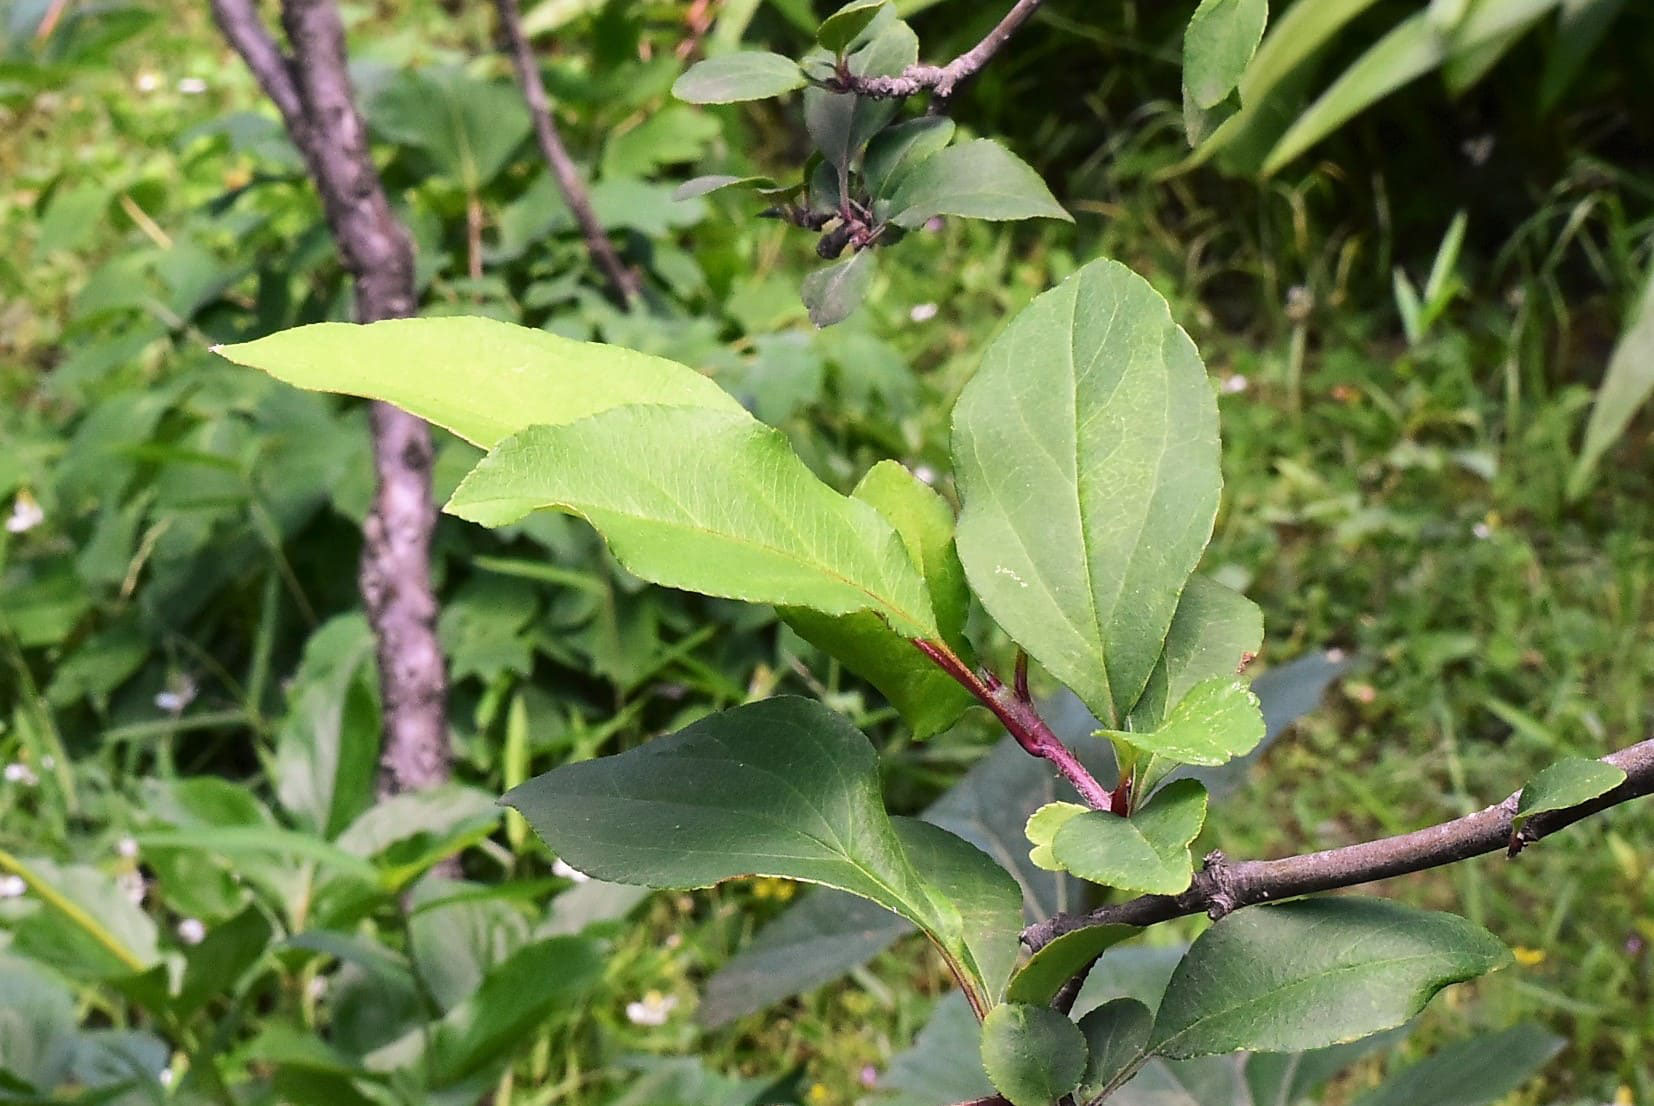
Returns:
point(1222, 37)
point(1116, 1034)
point(1042, 829)
point(832, 294)
point(1279, 978)
point(1564, 784)
point(706, 501)
point(1213, 631)
point(928, 699)
point(977, 180)
point(783, 787)
point(482, 379)
point(1033, 1054)
point(1039, 980)
point(732, 78)
point(896, 149)
point(1086, 449)
point(1148, 852)
point(1218, 720)
point(840, 29)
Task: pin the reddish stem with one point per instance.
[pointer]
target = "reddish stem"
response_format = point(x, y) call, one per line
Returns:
point(1024, 724)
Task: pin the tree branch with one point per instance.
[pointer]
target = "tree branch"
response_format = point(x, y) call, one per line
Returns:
point(1024, 723)
point(1223, 886)
point(622, 281)
point(312, 91)
point(940, 80)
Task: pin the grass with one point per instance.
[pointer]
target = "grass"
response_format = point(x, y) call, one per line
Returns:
point(1403, 503)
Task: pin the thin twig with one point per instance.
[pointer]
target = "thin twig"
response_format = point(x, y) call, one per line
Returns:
point(1023, 722)
point(622, 281)
point(1224, 886)
point(940, 80)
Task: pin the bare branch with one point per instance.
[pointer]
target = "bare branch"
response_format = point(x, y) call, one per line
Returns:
point(940, 80)
point(1223, 886)
point(312, 90)
point(622, 280)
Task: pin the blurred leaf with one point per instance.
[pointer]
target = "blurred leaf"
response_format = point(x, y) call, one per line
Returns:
point(468, 127)
point(327, 747)
point(740, 516)
point(216, 965)
point(672, 135)
point(87, 927)
point(1566, 783)
point(943, 1066)
point(701, 186)
point(1147, 852)
point(455, 940)
point(1288, 1078)
point(1278, 978)
point(745, 75)
point(977, 180)
point(1032, 1054)
point(1581, 26)
point(1480, 1070)
point(37, 1028)
point(1222, 37)
point(1625, 388)
point(1086, 451)
point(833, 293)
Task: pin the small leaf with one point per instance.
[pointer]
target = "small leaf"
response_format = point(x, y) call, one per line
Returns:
point(896, 149)
point(976, 180)
point(832, 294)
point(1214, 631)
point(1033, 1054)
point(482, 379)
point(1116, 1033)
point(732, 78)
point(701, 186)
point(840, 29)
point(1039, 980)
point(1222, 37)
point(1564, 784)
point(1279, 978)
point(1218, 720)
point(1086, 449)
point(1148, 851)
point(1042, 829)
point(706, 501)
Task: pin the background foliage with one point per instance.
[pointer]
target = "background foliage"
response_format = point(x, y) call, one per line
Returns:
point(188, 697)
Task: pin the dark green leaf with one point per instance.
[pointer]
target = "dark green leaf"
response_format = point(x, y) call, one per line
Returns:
point(1147, 852)
point(731, 78)
point(894, 150)
point(1039, 980)
point(833, 293)
point(1086, 449)
point(976, 180)
point(1279, 978)
point(840, 29)
point(1033, 1054)
point(944, 1065)
point(1564, 784)
point(1213, 632)
point(1116, 1033)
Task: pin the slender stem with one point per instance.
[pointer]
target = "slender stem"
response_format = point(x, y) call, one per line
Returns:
point(1224, 886)
point(622, 281)
point(942, 80)
point(1023, 721)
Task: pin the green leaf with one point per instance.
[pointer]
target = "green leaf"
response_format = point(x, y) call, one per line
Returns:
point(841, 123)
point(976, 180)
point(88, 928)
point(1480, 1070)
point(1148, 851)
point(1222, 37)
point(944, 1065)
point(1033, 1054)
point(327, 748)
point(37, 1029)
point(832, 294)
point(840, 29)
point(1042, 828)
point(1564, 784)
point(468, 127)
point(1280, 978)
point(216, 965)
point(1086, 449)
point(928, 699)
point(701, 186)
point(1039, 980)
point(1214, 631)
point(484, 380)
point(1116, 1034)
point(732, 78)
point(895, 150)
point(1625, 388)
point(782, 787)
point(707, 501)
point(1218, 720)
point(1290, 1078)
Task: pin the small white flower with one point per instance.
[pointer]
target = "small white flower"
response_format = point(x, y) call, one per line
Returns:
point(192, 86)
point(652, 1010)
point(25, 514)
point(12, 887)
point(1482, 531)
point(147, 81)
point(165, 1077)
point(132, 885)
point(48, 762)
point(1234, 385)
point(127, 848)
point(191, 931)
point(925, 473)
point(923, 313)
point(674, 940)
point(564, 870)
point(1336, 655)
point(18, 772)
point(179, 694)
